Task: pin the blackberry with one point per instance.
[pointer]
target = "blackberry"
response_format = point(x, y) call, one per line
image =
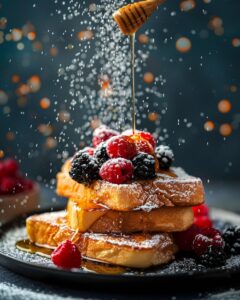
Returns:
point(231, 236)
point(165, 156)
point(101, 155)
point(144, 166)
point(213, 257)
point(84, 168)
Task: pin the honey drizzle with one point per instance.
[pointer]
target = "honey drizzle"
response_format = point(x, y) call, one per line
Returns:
point(132, 46)
point(27, 246)
point(88, 265)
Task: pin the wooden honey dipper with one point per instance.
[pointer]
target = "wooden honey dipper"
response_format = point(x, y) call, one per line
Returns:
point(132, 16)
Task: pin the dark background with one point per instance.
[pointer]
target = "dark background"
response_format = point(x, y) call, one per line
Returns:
point(195, 83)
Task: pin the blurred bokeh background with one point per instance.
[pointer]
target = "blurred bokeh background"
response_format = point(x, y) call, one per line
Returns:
point(188, 82)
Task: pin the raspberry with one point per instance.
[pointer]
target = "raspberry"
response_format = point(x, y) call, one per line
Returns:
point(144, 166)
point(2, 170)
point(8, 185)
point(102, 134)
point(27, 185)
point(13, 185)
point(117, 170)
point(185, 238)
point(207, 237)
point(100, 154)
point(148, 137)
point(84, 168)
point(11, 166)
point(121, 146)
point(213, 257)
point(231, 236)
point(141, 135)
point(67, 256)
point(203, 222)
point(165, 156)
point(201, 211)
point(144, 146)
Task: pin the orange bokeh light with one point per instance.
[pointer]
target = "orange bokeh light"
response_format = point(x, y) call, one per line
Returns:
point(2, 154)
point(23, 89)
point(34, 83)
point(16, 34)
point(224, 106)
point(225, 129)
point(143, 38)
point(183, 44)
point(187, 5)
point(10, 136)
point(236, 42)
point(31, 35)
point(148, 77)
point(85, 35)
point(45, 103)
point(209, 126)
point(153, 116)
point(53, 51)
point(215, 22)
point(15, 78)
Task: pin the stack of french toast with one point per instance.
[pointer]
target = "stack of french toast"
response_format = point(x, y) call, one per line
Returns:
point(126, 214)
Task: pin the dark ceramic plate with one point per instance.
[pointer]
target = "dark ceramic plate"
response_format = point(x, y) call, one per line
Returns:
point(183, 270)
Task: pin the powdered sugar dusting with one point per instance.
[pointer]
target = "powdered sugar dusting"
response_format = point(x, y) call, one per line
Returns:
point(135, 241)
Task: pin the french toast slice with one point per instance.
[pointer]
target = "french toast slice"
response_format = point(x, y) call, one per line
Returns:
point(100, 220)
point(136, 250)
point(169, 188)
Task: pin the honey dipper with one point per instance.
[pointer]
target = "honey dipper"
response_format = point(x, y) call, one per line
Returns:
point(132, 16)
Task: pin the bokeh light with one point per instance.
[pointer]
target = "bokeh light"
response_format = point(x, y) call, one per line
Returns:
point(236, 42)
point(85, 35)
point(233, 88)
point(16, 34)
point(225, 129)
point(34, 83)
point(2, 154)
point(153, 116)
point(148, 77)
point(16, 78)
point(45, 103)
point(224, 106)
point(187, 5)
point(183, 44)
point(209, 126)
point(143, 38)
point(10, 136)
point(216, 24)
point(3, 97)
point(50, 143)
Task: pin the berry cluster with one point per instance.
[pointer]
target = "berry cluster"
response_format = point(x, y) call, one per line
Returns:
point(210, 246)
point(11, 181)
point(118, 158)
point(205, 243)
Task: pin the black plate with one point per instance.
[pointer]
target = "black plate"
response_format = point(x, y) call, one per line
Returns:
point(180, 271)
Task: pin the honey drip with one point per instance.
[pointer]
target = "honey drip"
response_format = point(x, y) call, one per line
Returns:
point(88, 265)
point(28, 246)
point(132, 46)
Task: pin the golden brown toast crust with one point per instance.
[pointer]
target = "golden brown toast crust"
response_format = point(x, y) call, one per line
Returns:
point(136, 250)
point(165, 219)
point(173, 188)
